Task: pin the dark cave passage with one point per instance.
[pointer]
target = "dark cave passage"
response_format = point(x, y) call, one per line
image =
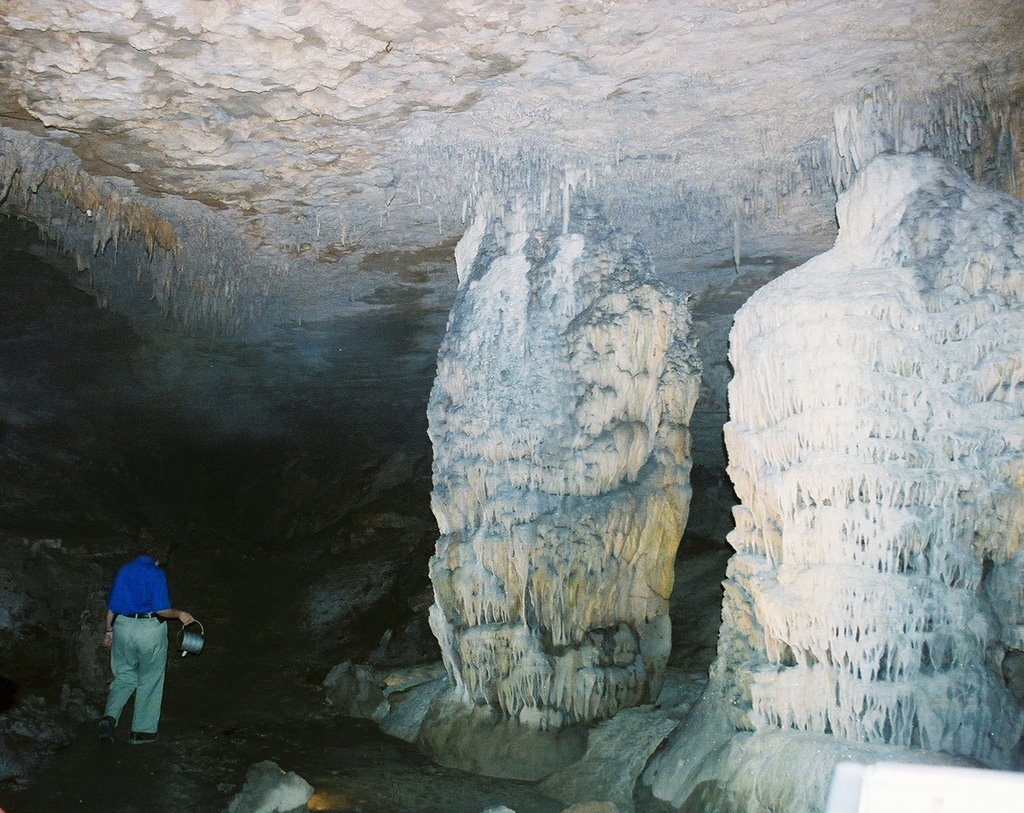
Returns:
point(291, 471)
point(265, 438)
point(292, 474)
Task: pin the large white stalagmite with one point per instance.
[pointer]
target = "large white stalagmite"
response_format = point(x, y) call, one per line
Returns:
point(561, 468)
point(876, 441)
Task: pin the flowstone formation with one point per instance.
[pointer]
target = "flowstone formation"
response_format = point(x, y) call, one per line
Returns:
point(561, 459)
point(876, 441)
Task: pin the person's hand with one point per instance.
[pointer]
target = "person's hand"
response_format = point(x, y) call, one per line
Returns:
point(108, 639)
point(186, 618)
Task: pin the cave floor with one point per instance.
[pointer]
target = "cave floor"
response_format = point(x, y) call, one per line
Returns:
point(251, 696)
point(254, 694)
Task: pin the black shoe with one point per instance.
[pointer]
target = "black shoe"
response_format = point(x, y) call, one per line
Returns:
point(106, 729)
point(142, 737)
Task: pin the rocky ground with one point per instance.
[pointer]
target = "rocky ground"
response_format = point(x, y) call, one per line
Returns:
point(253, 694)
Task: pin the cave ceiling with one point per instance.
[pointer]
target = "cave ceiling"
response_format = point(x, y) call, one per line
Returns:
point(333, 138)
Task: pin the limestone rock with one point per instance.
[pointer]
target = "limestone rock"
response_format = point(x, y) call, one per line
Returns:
point(591, 807)
point(771, 770)
point(337, 130)
point(876, 440)
point(479, 740)
point(408, 696)
point(617, 751)
point(354, 689)
point(268, 789)
point(561, 458)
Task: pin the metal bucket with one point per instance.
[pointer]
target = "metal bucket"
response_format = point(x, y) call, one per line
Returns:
point(191, 642)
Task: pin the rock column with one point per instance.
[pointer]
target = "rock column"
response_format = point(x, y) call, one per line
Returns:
point(876, 442)
point(561, 459)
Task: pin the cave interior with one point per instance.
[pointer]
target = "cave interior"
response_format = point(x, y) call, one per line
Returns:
point(227, 259)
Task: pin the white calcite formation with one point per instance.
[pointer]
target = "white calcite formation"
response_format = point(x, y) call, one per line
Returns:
point(269, 789)
point(876, 442)
point(138, 255)
point(561, 460)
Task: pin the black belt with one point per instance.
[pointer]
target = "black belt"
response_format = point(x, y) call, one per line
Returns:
point(138, 615)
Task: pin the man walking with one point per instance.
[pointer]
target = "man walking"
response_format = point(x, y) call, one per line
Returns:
point(137, 641)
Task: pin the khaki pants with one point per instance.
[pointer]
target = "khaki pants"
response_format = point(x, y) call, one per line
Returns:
point(138, 659)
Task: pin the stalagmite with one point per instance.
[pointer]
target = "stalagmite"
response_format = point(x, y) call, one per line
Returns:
point(876, 442)
point(561, 459)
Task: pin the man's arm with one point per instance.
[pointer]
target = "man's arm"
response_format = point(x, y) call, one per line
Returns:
point(108, 635)
point(160, 596)
point(185, 618)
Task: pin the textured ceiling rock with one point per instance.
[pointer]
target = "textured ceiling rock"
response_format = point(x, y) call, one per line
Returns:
point(341, 129)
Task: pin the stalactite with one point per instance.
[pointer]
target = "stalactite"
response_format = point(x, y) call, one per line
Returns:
point(959, 122)
point(189, 263)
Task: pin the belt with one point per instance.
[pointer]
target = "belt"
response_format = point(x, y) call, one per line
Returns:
point(138, 615)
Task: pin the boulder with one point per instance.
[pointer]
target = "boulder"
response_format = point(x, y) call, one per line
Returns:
point(269, 789)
